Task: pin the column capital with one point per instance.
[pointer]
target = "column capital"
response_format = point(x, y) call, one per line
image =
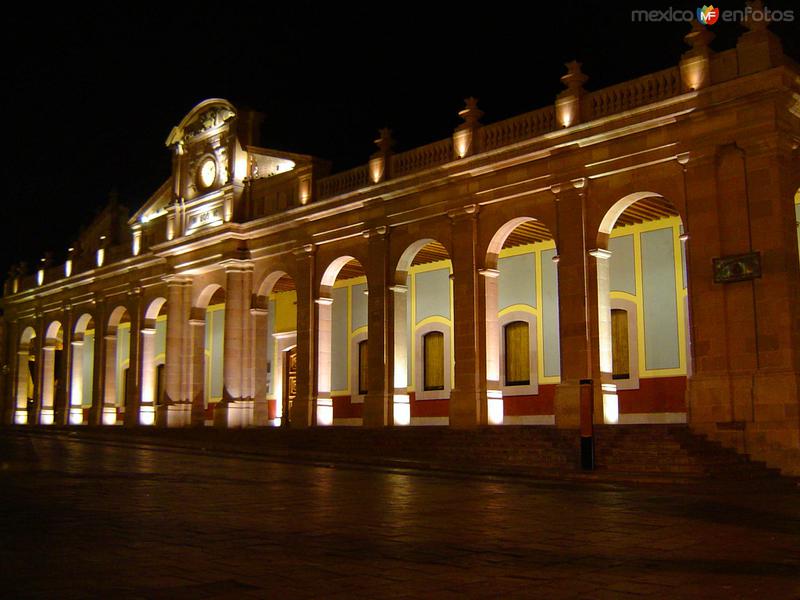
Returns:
point(375, 232)
point(304, 250)
point(175, 279)
point(466, 211)
point(237, 265)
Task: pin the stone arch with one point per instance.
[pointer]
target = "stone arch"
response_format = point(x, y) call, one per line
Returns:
point(154, 308)
point(82, 368)
point(207, 293)
point(52, 356)
point(651, 281)
point(325, 403)
point(407, 353)
point(27, 370)
point(273, 395)
point(207, 355)
point(116, 367)
point(525, 230)
point(149, 382)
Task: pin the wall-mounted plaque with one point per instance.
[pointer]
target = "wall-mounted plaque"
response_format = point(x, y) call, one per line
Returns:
point(737, 267)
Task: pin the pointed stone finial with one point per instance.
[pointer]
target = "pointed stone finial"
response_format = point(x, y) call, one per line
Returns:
point(470, 113)
point(385, 140)
point(698, 37)
point(575, 78)
point(755, 16)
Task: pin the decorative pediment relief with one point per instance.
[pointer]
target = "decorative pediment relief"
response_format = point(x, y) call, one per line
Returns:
point(206, 116)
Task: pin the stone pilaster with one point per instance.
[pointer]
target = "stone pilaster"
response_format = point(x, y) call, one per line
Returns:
point(377, 403)
point(303, 409)
point(235, 409)
point(259, 316)
point(177, 355)
point(132, 398)
point(468, 405)
point(577, 294)
point(64, 374)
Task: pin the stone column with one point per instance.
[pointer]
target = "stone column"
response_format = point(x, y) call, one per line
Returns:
point(35, 410)
point(259, 317)
point(468, 407)
point(577, 300)
point(62, 396)
point(76, 381)
point(401, 413)
point(132, 398)
point(324, 402)
point(197, 367)
point(21, 412)
point(378, 399)
point(98, 370)
point(304, 407)
point(494, 392)
point(46, 411)
point(235, 409)
point(147, 389)
point(175, 359)
point(109, 416)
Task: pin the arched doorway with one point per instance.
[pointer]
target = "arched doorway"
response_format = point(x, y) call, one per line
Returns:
point(208, 343)
point(423, 333)
point(276, 349)
point(27, 372)
point(342, 322)
point(52, 363)
point(117, 363)
point(522, 336)
point(153, 349)
point(643, 319)
point(82, 370)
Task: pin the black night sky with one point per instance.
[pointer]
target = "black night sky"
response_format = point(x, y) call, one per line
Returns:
point(92, 93)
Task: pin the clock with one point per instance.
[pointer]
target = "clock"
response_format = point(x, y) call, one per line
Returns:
point(208, 172)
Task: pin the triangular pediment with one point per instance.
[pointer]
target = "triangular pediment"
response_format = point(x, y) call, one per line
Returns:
point(156, 205)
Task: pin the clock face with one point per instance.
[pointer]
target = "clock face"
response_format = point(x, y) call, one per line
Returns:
point(208, 172)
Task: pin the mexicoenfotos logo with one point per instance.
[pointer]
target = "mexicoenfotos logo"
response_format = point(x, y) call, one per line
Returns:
point(707, 15)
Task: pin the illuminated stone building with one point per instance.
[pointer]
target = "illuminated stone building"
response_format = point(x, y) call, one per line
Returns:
point(641, 236)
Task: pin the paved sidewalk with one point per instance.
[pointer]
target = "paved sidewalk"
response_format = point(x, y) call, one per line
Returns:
point(84, 520)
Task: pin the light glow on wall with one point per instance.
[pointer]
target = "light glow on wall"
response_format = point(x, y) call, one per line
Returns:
point(21, 417)
point(324, 411)
point(137, 241)
point(610, 403)
point(76, 416)
point(401, 410)
point(495, 406)
point(109, 415)
point(40, 277)
point(101, 256)
point(68, 268)
point(47, 417)
point(462, 140)
point(147, 415)
point(376, 169)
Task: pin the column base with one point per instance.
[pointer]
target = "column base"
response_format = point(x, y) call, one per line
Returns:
point(567, 405)
point(465, 409)
point(376, 412)
point(261, 413)
point(233, 414)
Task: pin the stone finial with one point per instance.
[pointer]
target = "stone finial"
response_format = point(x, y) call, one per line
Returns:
point(698, 37)
point(385, 140)
point(755, 24)
point(575, 78)
point(470, 113)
